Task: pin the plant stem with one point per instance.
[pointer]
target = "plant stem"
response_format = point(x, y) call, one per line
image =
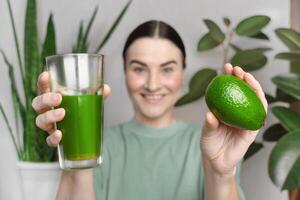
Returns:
point(227, 42)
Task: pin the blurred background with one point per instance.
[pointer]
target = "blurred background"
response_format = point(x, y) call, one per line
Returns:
point(187, 18)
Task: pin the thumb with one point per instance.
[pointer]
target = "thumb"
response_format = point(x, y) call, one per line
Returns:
point(211, 124)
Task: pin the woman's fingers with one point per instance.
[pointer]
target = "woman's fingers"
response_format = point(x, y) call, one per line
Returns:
point(228, 68)
point(249, 78)
point(43, 82)
point(211, 124)
point(106, 91)
point(239, 72)
point(54, 138)
point(45, 121)
point(46, 101)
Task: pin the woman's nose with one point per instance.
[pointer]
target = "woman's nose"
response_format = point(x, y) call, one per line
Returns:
point(153, 83)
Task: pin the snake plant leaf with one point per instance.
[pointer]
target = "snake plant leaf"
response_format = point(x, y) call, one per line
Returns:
point(12, 21)
point(274, 133)
point(289, 83)
point(49, 46)
point(253, 149)
point(289, 37)
point(284, 161)
point(260, 36)
point(31, 54)
point(17, 104)
point(226, 21)
point(91, 21)
point(207, 42)
point(290, 56)
point(252, 26)
point(79, 47)
point(197, 86)
point(289, 119)
point(250, 59)
point(10, 131)
point(32, 69)
point(214, 30)
point(114, 26)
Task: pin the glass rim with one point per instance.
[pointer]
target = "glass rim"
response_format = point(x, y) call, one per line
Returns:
point(73, 54)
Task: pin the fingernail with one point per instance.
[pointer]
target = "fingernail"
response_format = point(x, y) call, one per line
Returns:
point(55, 97)
point(57, 112)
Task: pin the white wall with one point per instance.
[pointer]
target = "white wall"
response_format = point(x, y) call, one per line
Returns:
point(186, 16)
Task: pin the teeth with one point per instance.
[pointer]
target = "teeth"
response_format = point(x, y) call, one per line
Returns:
point(153, 97)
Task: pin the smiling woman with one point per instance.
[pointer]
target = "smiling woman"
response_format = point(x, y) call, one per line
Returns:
point(155, 156)
point(154, 84)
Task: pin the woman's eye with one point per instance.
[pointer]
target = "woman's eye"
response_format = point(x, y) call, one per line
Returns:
point(138, 69)
point(167, 69)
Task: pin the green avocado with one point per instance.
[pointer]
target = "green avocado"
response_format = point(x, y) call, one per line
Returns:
point(235, 103)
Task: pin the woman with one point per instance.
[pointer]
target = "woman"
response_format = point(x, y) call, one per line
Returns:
point(154, 156)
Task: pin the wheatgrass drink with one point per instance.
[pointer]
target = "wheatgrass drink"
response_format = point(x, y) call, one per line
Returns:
point(79, 79)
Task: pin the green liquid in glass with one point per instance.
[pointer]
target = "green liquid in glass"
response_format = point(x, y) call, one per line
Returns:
point(81, 127)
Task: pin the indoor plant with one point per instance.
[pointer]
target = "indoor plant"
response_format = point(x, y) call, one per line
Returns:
point(249, 59)
point(29, 142)
point(284, 160)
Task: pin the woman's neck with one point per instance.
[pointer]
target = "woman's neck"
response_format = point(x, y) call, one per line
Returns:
point(161, 122)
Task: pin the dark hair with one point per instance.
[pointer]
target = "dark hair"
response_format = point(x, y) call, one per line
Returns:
point(158, 29)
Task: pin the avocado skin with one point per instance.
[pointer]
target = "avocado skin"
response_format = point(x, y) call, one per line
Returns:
point(235, 103)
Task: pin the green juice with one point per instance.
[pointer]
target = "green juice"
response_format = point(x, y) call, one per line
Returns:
point(81, 127)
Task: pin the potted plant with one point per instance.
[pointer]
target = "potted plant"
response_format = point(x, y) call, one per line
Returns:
point(250, 59)
point(37, 162)
point(284, 160)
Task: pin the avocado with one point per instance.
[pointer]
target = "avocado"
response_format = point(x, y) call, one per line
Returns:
point(235, 103)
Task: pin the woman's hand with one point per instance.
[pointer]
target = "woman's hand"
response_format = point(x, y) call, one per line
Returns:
point(43, 105)
point(223, 146)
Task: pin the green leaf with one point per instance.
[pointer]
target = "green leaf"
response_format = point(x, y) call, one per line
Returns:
point(31, 54)
point(32, 69)
point(263, 49)
point(252, 26)
point(226, 21)
point(289, 83)
point(282, 96)
point(80, 45)
point(91, 21)
point(289, 37)
point(260, 36)
point(295, 67)
point(289, 119)
point(10, 131)
point(274, 133)
point(16, 40)
point(253, 149)
point(270, 98)
point(197, 86)
point(249, 60)
point(49, 47)
point(214, 31)
point(17, 104)
point(113, 27)
point(284, 163)
point(207, 42)
point(291, 56)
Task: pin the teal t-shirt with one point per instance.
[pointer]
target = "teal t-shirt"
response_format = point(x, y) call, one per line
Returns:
point(147, 163)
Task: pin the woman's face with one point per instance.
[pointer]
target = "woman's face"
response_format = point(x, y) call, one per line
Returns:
point(154, 75)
